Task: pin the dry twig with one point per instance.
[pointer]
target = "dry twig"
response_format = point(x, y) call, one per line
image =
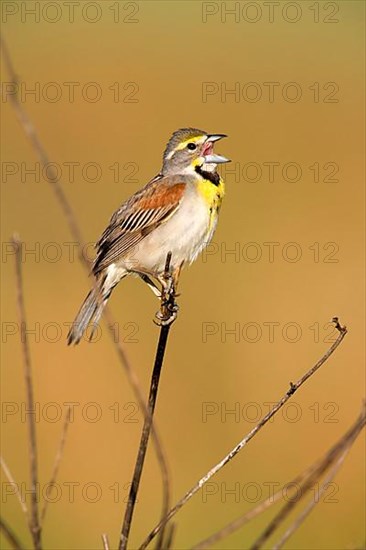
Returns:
point(105, 541)
point(56, 465)
point(10, 535)
point(34, 524)
point(167, 304)
point(293, 388)
point(11, 480)
point(331, 458)
point(168, 542)
point(304, 514)
point(32, 135)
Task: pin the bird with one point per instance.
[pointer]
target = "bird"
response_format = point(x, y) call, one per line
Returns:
point(176, 212)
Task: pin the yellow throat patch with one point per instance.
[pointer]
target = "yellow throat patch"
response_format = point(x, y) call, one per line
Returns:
point(212, 195)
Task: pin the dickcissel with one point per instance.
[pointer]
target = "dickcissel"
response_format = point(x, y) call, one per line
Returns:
point(175, 212)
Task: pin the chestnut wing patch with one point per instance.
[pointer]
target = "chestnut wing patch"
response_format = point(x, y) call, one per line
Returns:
point(135, 219)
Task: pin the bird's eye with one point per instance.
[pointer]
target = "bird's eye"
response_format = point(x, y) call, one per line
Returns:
point(192, 146)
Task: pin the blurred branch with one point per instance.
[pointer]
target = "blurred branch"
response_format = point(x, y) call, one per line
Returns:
point(336, 453)
point(167, 306)
point(332, 460)
point(73, 224)
point(135, 384)
point(10, 535)
point(316, 499)
point(32, 135)
point(293, 388)
point(168, 542)
point(56, 465)
point(241, 521)
point(34, 524)
point(105, 541)
point(11, 480)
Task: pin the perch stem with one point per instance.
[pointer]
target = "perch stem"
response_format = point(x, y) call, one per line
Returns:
point(167, 303)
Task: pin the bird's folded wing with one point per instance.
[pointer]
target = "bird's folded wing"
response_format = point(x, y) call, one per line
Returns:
point(136, 218)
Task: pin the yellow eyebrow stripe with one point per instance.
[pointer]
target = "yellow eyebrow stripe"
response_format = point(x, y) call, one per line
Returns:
point(185, 143)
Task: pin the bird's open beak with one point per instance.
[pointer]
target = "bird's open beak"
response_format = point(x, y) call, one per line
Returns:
point(210, 156)
point(215, 137)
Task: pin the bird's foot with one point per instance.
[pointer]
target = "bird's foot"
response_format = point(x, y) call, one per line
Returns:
point(167, 314)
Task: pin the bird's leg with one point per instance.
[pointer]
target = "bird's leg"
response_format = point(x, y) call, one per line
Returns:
point(169, 281)
point(169, 308)
point(150, 284)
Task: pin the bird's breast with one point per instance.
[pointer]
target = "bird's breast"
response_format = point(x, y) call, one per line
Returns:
point(185, 234)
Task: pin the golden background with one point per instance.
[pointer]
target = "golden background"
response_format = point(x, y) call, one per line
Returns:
point(168, 55)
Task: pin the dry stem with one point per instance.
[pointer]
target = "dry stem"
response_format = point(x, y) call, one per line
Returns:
point(105, 541)
point(331, 458)
point(34, 524)
point(56, 465)
point(10, 535)
point(167, 302)
point(11, 480)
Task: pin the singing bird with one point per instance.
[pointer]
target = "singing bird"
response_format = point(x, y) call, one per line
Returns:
point(177, 212)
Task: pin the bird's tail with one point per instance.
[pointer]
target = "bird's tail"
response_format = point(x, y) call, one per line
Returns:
point(90, 312)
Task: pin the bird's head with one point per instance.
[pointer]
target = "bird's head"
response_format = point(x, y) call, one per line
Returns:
point(190, 150)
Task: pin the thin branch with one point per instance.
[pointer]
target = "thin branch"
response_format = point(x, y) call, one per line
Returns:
point(248, 516)
point(293, 388)
point(167, 305)
point(57, 462)
point(323, 465)
point(240, 521)
point(32, 135)
point(105, 541)
point(330, 458)
point(34, 524)
point(135, 384)
point(310, 475)
point(10, 535)
point(11, 480)
point(311, 505)
point(75, 231)
point(251, 514)
point(170, 533)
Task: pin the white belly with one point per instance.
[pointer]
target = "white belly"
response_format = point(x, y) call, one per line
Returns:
point(185, 234)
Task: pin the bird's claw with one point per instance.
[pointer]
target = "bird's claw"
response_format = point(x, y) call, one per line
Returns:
point(167, 314)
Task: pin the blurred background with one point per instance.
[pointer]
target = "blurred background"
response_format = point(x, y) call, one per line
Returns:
point(105, 84)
